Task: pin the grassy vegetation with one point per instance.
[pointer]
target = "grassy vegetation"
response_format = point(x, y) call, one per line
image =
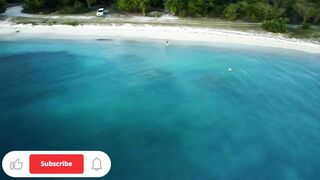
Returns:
point(194, 22)
point(269, 15)
point(45, 21)
point(71, 23)
point(312, 33)
point(293, 31)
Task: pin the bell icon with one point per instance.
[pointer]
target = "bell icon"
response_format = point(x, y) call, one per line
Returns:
point(96, 164)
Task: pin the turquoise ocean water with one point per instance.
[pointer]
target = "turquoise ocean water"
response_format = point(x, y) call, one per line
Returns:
point(165, 112)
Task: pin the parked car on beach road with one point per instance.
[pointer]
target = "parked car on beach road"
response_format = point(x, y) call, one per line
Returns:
point(101, 12)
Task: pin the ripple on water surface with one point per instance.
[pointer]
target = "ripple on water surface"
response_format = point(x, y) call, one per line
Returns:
point(165, 112)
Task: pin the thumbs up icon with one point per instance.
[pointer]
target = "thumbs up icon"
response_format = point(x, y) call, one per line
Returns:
point(16, 165)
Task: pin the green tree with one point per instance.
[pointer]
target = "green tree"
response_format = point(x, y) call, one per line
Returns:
point(67, 3)
point(308, 9)
point(34, 5)
point(262, 11)
point(305, 11)
point(90, 2)
point(198, 7)
point(3, 4)
point(144, 6)
point(275, 25)
point(231, 12)
point(134, 5)
point(188, 7)
point(174, 6)
point(316, 15)
point(73, 7)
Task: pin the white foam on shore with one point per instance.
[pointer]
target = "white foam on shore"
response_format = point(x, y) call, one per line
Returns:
point(129, 31)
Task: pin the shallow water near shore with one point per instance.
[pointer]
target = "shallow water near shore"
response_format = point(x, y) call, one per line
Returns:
point(163, 112)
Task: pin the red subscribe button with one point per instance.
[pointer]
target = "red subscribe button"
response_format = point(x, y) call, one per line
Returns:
point(56, 164)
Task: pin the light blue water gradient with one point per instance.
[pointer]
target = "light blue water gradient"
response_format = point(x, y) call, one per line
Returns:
point(165, 112)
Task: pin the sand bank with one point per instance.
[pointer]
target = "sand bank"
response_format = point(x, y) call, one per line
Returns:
point(179, 33)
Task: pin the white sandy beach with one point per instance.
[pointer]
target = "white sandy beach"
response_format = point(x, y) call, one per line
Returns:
point(129, 31)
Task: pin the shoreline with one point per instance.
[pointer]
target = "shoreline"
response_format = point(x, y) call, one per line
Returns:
point(11, 31)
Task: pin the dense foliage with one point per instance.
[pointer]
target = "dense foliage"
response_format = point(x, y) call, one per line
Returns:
point(270, 12)
point(134, 5)
point(2, 6)
point(189, 7)
point(256, 11)
point(297, 11)
point(65, 6)
point(275, 25)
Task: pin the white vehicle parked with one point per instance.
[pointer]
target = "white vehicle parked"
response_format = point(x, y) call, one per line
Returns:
point(101, 12)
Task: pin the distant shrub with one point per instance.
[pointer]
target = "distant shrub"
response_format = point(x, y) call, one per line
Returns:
point(305, 26)
point(259, 11)
point(71, 23)
point(77, 8)
point(43, 6)
point(231, 12)
point(254, 12)
point(52, 23)
point(2, 6)
point(216, 11)
point(275, 25)
point(154, 14)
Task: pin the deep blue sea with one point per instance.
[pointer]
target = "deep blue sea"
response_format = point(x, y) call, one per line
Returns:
point(165, 113)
